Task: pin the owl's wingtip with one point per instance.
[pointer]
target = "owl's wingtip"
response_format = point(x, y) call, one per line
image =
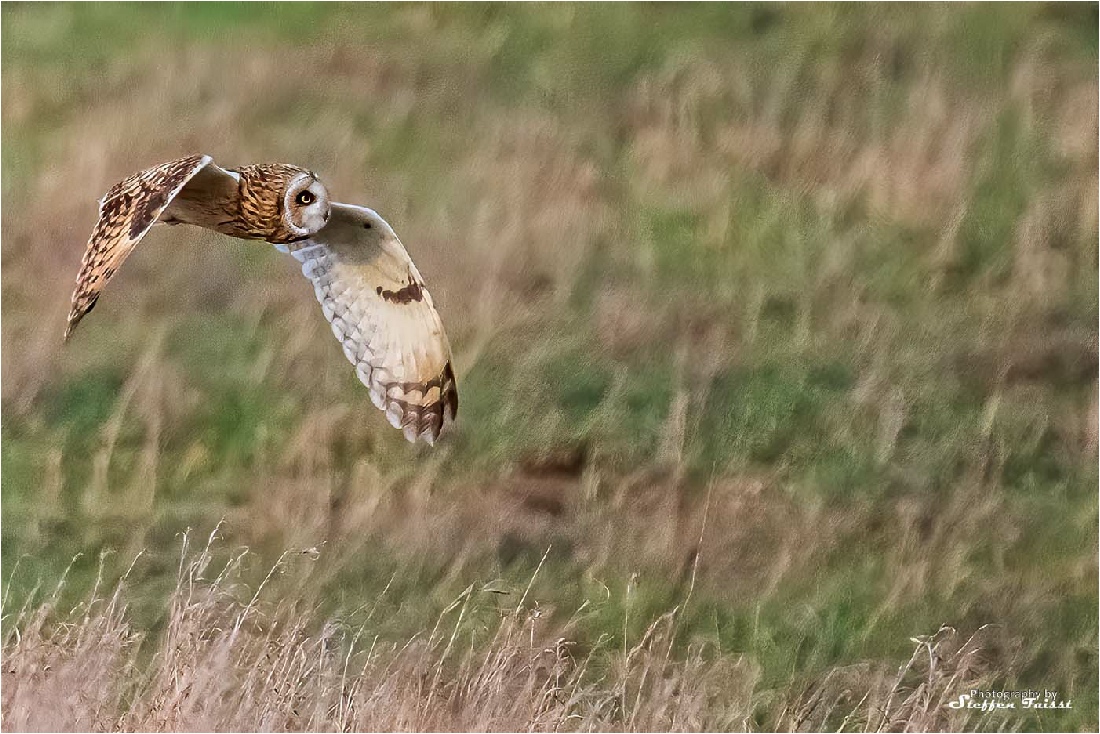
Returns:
point(75, 317)
point(70, 324)
point(81, 307)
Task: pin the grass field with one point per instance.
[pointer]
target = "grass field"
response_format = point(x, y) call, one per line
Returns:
point(776, 338)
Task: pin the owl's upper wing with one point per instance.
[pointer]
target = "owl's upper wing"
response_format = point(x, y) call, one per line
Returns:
point(379, 309)
point(126, 212)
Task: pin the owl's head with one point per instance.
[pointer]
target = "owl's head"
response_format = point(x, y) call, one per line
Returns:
point(306, 206)
point(281, 203)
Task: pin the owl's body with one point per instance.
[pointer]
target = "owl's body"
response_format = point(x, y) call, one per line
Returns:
point(369, 289)
point(248, 202)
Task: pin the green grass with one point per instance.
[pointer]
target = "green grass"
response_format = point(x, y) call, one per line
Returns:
point(832, 267)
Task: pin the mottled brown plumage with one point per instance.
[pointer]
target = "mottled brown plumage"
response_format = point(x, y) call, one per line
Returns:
point(273, 202)
point(262, 190)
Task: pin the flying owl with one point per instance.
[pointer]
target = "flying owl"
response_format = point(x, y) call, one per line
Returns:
point(371, 293)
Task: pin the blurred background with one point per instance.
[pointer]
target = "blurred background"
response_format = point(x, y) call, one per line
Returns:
point(791, 306)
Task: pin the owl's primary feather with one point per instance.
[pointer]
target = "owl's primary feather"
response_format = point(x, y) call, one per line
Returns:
point(382, 314)
point(254, 202)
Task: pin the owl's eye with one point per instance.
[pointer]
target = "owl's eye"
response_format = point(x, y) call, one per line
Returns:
point(305, 198)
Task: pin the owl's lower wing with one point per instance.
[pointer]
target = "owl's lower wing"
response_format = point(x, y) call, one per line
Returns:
point(384, 317)
point(126, 212)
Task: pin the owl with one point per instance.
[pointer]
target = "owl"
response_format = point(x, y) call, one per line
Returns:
point(369, 290)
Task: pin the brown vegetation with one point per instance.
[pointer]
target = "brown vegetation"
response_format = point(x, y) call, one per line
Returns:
point(232, 659)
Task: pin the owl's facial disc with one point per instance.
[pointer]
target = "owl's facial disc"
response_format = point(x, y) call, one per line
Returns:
point(306, 205)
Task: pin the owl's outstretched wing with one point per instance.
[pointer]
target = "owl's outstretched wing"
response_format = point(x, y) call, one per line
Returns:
point(126, 212)
point(379, 309)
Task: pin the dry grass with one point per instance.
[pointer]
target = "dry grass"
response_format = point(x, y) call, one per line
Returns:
point(233, 658)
